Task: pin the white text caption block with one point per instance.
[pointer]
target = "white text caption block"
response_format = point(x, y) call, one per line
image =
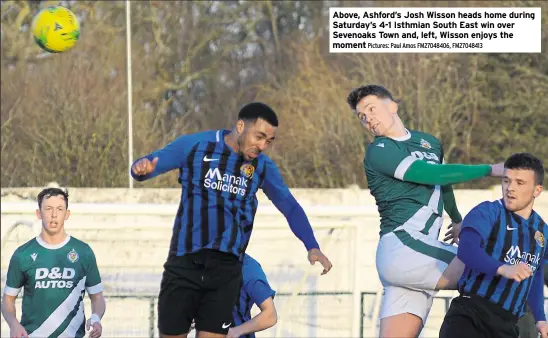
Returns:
point(434, 30)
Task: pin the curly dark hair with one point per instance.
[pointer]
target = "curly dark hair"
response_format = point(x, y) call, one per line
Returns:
point(258, 110)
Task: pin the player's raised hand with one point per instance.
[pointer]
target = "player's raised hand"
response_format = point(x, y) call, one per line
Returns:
point(96, 329)
point(542, 327)
point(144, 166)
point(18, 331)
point(517, 272)
point(497, 170)
point(316, 255)
point(453, 233)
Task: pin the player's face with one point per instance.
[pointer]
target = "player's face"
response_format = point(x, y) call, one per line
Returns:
point(519, 189)
point(377, 115)
point(53, 214)
point(255, 138)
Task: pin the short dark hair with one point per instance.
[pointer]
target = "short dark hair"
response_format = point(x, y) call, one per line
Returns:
point(258, 110)
point(359, 93)
point(526, 161)
point(49, 192)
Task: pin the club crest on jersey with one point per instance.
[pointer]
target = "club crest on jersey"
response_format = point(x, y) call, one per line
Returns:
point(539, 237)
point(72, 256)
point(425, 144)
point(247, 170)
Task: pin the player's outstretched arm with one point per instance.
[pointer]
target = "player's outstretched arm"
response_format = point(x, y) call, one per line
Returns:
point(276, 190)
point(98, 307)
point(9, 313)
point(443, 174)
point(262, 321)
point(395, 162)
point(172, 156)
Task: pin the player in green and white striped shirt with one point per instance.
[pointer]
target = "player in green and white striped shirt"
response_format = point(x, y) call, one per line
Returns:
point(412, 187)
point(54, 270)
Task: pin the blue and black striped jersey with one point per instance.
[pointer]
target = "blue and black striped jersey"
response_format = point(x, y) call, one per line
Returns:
point(509, 239)
point(255, 290)
point(218, 200)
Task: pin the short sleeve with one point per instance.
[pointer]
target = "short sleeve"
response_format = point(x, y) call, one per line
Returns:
point(255, 283)
point(259, 290)
point(93, 278)
point(385, 157)
point(15, 278)
point(481, 219)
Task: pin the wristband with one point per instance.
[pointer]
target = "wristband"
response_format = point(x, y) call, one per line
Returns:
point(95, 319)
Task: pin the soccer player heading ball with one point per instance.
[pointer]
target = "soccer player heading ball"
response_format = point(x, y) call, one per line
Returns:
point(411, 186)
point(220, 172)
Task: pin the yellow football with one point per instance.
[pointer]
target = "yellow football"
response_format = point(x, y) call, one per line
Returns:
point(56, 29)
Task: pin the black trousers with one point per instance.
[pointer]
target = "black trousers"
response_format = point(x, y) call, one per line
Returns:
point(202, 286)
point(471, 316)
point(527, 325)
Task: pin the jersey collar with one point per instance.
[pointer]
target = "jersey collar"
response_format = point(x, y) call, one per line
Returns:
point(403, 138)
point(530, 221)
point(50, 246)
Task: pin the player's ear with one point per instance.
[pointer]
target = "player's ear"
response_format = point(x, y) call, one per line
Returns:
point(240, 126)
point(38, 214)
point(393, 107)
point(67, 215)
point(538, 190)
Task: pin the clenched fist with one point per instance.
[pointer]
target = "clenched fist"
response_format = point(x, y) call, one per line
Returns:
point(144, 166)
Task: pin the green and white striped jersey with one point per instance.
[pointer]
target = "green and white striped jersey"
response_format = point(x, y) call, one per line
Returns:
point(54, 279)
point(400, 203)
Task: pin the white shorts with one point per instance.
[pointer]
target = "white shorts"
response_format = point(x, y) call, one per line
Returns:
point(410, 264)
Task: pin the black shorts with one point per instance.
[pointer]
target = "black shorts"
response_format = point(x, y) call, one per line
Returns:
point(203, 286)
point(472, 316)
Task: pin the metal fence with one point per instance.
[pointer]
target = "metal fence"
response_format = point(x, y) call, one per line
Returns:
point(149, 303)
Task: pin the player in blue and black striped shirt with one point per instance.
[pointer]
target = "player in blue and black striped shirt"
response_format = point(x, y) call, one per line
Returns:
point(255, 291)
point(220, 172)
point(502, 244)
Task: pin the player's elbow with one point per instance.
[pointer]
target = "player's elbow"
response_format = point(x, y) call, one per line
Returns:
point(269, 313)
point(98, 302)
point(272, 318)
point(8, 301)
